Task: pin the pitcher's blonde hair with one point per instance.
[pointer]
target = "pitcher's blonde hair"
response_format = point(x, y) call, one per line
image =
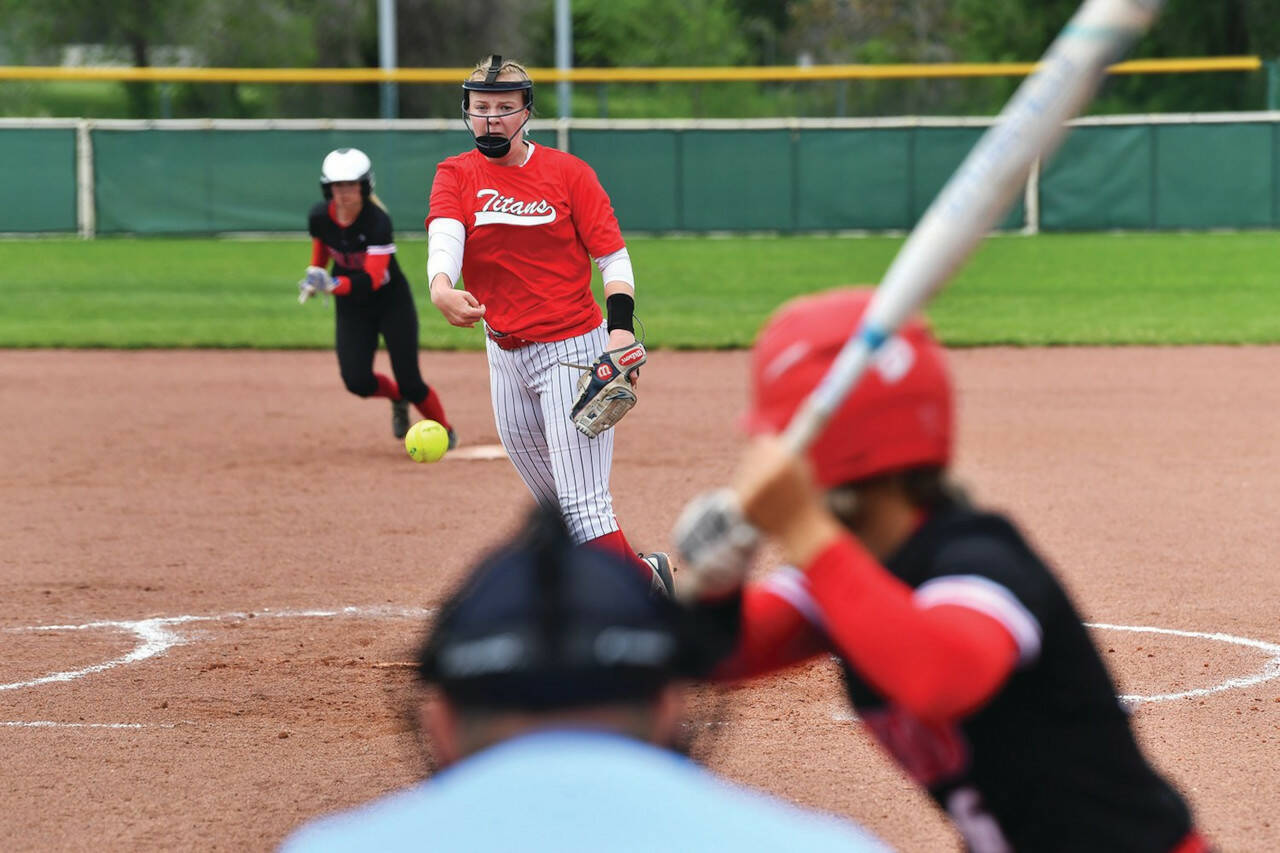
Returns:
point(508, 67)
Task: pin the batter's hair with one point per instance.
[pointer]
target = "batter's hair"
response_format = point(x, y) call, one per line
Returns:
point(927, 488)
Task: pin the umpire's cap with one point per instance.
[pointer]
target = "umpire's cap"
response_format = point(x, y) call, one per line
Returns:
point(543, 624)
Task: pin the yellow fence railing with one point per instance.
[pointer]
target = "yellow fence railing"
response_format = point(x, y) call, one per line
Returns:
point(610, 75)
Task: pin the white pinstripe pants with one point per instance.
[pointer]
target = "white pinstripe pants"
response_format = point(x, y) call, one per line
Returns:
point(532, 394)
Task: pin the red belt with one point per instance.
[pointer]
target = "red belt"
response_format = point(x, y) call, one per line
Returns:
point(505, 341)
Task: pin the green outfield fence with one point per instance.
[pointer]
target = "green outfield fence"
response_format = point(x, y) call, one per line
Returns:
point(1149, 172)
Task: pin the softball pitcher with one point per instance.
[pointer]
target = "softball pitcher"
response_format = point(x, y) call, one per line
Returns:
point(521, 223)
point(352, 228)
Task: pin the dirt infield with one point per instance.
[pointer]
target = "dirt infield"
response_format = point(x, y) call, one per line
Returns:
point(211, 563)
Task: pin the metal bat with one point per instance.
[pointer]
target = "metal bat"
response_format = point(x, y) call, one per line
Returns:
point(981, 191)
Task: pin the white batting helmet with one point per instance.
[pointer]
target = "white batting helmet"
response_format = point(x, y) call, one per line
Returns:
point(346, 164)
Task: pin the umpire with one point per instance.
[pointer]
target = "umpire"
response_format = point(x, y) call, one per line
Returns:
point(559, 699)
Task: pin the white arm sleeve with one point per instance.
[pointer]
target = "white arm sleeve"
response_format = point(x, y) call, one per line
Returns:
point(617, 267)
point(445, 238)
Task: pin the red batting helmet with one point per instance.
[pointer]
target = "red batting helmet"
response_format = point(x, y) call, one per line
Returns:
point(898, 416)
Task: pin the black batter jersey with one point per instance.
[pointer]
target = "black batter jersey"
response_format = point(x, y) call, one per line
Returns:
point(369, 234)
point(1050, 762)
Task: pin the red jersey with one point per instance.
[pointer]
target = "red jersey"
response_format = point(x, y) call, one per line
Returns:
point(531, 232)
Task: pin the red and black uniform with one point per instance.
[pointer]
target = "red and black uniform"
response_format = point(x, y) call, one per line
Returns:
point(373, 297)
point(970, 665)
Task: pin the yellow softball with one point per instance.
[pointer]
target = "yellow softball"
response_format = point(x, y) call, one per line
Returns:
point(426, 441)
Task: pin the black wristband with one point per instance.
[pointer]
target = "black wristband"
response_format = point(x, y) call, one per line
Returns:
point(621, 309)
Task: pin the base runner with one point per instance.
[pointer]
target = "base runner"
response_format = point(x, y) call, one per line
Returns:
point(521, 224)
point(351, 230)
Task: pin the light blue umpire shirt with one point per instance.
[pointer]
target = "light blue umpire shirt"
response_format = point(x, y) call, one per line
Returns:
point(574, 790)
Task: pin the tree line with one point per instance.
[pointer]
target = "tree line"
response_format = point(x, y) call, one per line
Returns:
point(624, 33)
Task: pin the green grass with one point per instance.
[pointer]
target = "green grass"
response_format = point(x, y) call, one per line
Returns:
point(693, 292)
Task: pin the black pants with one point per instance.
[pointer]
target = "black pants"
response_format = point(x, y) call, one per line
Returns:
point(388, 311)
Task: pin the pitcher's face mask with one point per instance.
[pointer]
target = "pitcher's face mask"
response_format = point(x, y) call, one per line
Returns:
point(490, 143)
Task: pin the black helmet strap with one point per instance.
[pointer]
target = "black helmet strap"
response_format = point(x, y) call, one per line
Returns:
point(495, 67)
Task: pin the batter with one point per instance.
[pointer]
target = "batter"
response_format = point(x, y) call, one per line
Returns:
point(962, 653)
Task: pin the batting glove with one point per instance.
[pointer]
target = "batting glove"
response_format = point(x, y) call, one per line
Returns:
point(716, 545)
point(317, 280)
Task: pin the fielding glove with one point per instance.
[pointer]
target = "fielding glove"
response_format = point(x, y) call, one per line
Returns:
point(606, 390)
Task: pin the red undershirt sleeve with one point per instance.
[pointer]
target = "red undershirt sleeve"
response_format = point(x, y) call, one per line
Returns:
point(319, 253)
point(940, 662)
point(376, 267)
point(773, 635)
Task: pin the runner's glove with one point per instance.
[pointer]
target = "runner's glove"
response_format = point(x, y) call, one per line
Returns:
point(317, 280)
